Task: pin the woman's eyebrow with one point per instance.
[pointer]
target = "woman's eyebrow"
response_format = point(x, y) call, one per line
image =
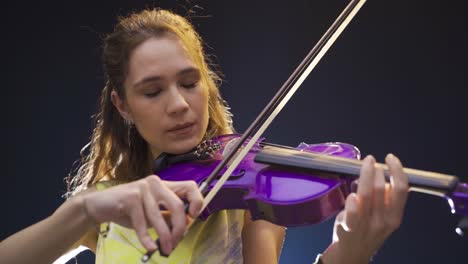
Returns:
point(154, 78)
point(148, 79)
point(188, 71)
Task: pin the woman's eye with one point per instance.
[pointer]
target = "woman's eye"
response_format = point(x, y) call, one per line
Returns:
point(152, 94)
point(189, 85)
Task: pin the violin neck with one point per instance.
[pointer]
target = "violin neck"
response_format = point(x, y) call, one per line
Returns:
point(419, 180)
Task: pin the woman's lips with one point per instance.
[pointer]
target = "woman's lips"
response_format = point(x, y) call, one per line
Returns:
point(182, 130)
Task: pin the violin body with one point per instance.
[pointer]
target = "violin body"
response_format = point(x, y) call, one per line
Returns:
point(279, 194)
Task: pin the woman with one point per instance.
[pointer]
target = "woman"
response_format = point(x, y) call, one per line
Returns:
point(161, 97)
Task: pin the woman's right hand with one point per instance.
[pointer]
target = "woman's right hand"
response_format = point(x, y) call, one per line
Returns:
point(136, 205)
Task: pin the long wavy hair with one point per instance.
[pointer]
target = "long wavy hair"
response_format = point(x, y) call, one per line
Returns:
point(116, 150)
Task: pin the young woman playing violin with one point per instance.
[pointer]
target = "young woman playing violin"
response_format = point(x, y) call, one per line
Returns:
point(161, 96)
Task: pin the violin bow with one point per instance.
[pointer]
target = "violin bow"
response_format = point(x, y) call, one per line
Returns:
point(280, 99)
point(272, 109)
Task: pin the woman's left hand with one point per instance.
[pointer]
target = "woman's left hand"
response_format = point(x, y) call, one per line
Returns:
point(370, 215)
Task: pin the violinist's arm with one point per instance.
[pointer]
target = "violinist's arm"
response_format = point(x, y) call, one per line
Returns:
point(261, 241)
point(88, 240)
point(46, 240)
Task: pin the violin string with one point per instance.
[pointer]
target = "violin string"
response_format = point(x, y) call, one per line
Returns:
point(274, 145)
point(317, 161)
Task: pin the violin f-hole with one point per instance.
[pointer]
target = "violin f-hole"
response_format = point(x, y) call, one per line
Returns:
point(234, 175)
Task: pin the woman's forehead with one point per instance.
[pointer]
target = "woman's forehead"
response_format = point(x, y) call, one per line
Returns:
point(164, 57)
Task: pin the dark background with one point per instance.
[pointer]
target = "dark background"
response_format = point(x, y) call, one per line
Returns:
point(391, 83)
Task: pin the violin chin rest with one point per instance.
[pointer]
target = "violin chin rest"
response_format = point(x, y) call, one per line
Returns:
point(462, 227)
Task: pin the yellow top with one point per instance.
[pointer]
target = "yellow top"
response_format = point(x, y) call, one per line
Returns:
point(215, 240)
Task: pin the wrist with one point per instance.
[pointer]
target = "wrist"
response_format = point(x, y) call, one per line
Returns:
point(89, 221)
point(69, 224)
point(337, 254)
point(74, 211)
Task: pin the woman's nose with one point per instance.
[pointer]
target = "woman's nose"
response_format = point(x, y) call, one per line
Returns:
point(177, 102)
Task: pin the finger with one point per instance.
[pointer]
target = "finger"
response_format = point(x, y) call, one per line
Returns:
point(379, 193)
point(399, 187)
point(351, 213)
point(155, 218)
point(340, 218)
point(388, 195)
point(174, 204)
point(366, 185)
point(138, 219)
point(338, 226)
point(190, 191)
point(195, 198)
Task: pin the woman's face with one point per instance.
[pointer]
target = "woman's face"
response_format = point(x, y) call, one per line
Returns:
point(166, 97)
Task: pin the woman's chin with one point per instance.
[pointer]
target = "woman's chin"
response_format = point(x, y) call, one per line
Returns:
point(183, 145)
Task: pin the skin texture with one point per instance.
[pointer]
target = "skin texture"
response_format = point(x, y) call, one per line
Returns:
point(370, 215)
point(136, 205)
point(163, 89)
point(75, 221)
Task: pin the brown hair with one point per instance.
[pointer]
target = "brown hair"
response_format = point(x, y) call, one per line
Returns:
point(116, 150)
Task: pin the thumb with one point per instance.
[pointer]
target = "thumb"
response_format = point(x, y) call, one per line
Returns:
point(351, 213)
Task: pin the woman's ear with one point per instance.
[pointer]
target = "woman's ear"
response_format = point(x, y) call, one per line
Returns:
point(121, 106)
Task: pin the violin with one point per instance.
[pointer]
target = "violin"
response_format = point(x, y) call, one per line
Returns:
point(297, 186)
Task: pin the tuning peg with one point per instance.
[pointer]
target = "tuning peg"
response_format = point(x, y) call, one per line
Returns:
point(462, 227)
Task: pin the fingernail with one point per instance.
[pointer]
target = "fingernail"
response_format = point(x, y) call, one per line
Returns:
point(150, 244)
point(170, 247)
point(352, 203)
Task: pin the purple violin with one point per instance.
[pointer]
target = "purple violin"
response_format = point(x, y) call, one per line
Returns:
point(297, 186)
